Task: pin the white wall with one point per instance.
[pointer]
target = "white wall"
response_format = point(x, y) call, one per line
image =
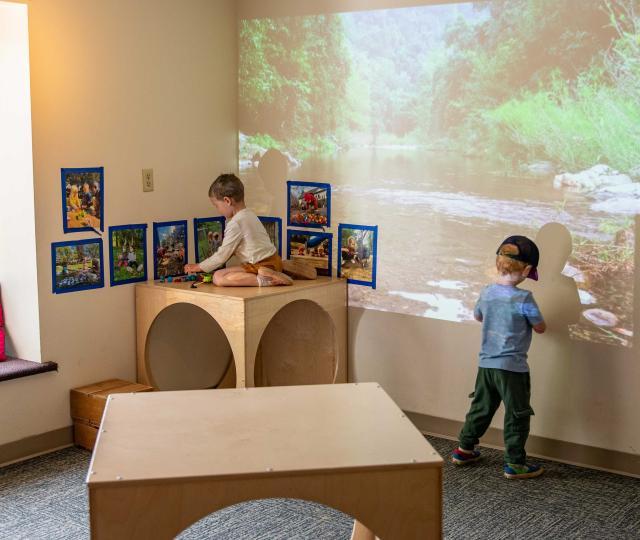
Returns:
point(124, 85)
point(18, 278)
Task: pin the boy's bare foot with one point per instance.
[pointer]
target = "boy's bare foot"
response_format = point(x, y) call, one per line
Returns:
point(299, 270)
point(272, 278)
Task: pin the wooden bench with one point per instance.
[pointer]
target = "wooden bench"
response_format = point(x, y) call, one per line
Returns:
point(164, 460)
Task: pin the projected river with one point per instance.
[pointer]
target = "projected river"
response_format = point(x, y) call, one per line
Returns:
point(441, 218)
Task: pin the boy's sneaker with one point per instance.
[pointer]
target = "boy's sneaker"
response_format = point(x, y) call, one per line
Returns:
point(463, 457)
point(513, 470)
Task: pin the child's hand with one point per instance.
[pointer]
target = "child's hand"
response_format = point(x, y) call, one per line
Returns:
point(192, 268)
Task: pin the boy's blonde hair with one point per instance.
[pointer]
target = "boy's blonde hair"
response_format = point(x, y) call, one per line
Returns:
point(227, 185)
point(505, 264)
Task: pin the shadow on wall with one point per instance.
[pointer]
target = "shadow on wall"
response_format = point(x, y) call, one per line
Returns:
point(273, 170)
point(552, 355)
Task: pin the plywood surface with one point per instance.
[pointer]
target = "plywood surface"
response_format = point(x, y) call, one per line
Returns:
point(241, 293)
point(255, 431)
point(244, 313)
point(297, 347)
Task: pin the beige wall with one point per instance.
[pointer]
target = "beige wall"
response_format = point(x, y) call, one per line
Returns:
point(428, 366)
point(125, 85)
point(156, 88)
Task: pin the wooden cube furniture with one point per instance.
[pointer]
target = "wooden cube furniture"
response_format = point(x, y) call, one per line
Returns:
point(87, 405)
point(164, 460)
point(245, 313)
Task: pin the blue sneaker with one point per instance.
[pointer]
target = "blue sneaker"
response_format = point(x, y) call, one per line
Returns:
point(515, 471)
point(462, 457)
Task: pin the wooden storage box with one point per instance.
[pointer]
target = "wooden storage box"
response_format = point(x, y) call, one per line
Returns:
point(87, 406)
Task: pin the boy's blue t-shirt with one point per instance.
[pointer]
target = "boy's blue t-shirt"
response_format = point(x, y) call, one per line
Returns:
point(508, 314)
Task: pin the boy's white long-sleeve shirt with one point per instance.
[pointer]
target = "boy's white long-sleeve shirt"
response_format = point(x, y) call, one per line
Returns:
point(245, 237)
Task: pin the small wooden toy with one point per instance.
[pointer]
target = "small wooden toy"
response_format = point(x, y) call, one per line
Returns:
point(207, 278)
point(87, 406)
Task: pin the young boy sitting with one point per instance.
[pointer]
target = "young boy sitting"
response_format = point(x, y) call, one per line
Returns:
point(508, 314)
point(245, 237)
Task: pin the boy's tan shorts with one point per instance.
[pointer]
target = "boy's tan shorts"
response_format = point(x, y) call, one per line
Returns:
point(274, 262)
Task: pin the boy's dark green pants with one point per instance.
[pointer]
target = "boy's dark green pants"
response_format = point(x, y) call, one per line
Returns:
point(492, 387)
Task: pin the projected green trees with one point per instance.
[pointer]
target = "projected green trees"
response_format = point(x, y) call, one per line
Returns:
point(548, 80)
point(529, 79)
point(293, 75)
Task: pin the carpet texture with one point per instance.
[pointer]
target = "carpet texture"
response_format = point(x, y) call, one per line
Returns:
point(45, 498)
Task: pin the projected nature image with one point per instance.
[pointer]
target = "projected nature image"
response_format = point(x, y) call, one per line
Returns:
point(453, 126)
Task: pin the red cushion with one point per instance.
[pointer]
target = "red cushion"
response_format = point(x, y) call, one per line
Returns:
point(3, 356)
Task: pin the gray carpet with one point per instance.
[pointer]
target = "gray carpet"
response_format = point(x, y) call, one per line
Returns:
point(45, 498)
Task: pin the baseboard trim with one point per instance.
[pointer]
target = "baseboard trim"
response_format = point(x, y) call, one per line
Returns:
point(35, 445)
point(541, 447)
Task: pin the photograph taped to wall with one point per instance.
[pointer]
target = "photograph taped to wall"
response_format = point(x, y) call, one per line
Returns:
point(83, 199)
point(308, 204)
point(357, 253)
point(128, 254)
point(455, 133)
point(273, 226)
point(169, 248)
point(313, 248)
point(76, 265)
point(208, 234)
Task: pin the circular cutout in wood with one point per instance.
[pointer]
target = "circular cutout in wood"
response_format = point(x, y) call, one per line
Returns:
point(297, 347)
point(186, 349)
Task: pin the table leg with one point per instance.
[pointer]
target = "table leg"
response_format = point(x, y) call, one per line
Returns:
point(360, 532)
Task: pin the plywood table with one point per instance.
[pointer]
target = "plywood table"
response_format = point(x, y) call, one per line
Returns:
point(316, 308)
point(164, 460)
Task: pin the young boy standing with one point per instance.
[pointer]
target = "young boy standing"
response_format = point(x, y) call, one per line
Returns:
point(508, 315)
point(245, 237)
